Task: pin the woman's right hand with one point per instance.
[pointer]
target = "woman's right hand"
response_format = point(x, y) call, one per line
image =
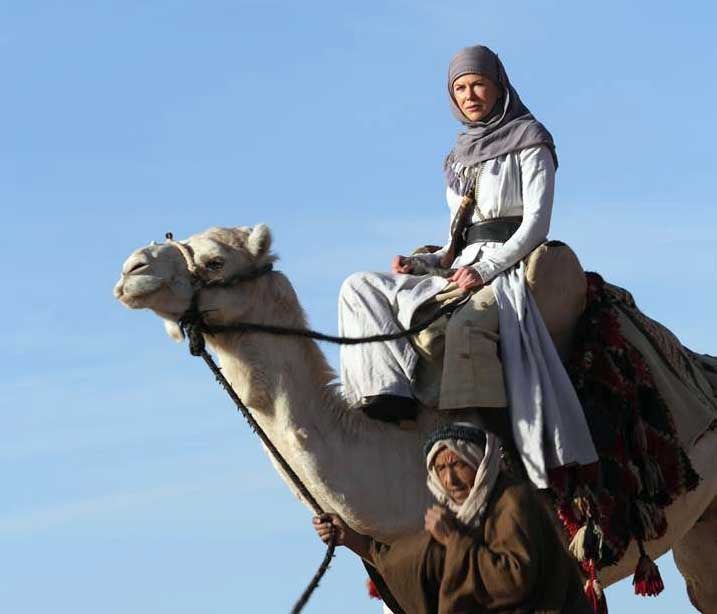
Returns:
point(401, 264)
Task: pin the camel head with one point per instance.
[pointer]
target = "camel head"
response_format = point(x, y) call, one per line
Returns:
point(158, 276)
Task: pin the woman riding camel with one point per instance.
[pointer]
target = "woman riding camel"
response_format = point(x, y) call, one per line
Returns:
point(489, 544)
point(500, 177)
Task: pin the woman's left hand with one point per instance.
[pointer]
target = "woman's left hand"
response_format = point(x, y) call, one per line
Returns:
point(467, 278)
point(439, 523)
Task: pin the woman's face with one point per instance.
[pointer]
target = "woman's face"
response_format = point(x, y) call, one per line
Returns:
point(456, 475)
point(475, 95)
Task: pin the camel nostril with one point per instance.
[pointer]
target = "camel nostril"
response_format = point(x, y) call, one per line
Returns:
point(137, 267)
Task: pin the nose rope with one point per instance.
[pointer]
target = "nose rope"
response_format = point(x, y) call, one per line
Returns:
point(192, 325)
point(279, 458)
point(186, 253)
point(200, 280)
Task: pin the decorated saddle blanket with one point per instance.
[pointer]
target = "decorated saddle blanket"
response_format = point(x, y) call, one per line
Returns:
point(643, 465)
point(676, 357)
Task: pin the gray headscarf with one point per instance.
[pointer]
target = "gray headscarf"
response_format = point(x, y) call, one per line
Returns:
point(509, 127)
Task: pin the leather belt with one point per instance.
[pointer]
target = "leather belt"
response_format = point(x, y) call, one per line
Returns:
point(497, 230)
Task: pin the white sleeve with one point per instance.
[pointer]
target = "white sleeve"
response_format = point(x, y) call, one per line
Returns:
point(537, 172)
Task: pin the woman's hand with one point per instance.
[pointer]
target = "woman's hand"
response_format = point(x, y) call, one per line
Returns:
point(439, 523)
point(401, 264)
point(467, 278)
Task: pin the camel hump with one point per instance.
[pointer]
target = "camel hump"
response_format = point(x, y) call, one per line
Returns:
point(557, 281)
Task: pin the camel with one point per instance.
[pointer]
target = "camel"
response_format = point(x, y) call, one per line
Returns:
point(369, 472)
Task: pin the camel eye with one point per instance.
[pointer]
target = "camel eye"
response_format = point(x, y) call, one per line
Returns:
point(214, 264)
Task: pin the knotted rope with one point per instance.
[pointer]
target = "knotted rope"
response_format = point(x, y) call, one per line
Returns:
point(197, 348)
point(272, 329)
point(194, 327)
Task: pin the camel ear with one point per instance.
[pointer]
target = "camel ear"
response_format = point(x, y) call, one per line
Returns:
point(173, 330)
point(259, 240)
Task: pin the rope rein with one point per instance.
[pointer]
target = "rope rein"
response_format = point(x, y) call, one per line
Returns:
point(194, 327)
point(197, 348)
point(272, 329)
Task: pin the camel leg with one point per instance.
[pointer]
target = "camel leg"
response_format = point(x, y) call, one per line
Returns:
point(695, 557)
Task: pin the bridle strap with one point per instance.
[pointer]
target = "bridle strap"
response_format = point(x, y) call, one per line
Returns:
point(199, 280)
point(240, 277)
point(191, 321)
point(192, 324)
point(186, 252)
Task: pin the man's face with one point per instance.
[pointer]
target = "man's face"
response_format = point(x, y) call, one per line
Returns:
point(456, 475)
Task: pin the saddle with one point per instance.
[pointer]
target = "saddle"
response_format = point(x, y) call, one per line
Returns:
point(557, 281)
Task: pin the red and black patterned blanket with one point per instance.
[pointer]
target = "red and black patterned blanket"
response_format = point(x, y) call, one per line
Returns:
point(642, 466)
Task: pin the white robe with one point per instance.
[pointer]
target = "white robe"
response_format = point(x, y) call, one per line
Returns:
point(516, 184)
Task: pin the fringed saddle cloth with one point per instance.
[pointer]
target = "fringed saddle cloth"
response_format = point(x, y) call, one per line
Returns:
point(643, 466)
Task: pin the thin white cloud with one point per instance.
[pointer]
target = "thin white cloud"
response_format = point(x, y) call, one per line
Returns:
point(65, 513)
point(38, 520)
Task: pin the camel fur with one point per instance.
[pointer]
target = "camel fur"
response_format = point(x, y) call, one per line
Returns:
point(370, 473)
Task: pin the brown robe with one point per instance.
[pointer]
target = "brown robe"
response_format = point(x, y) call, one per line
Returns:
point(516, 564)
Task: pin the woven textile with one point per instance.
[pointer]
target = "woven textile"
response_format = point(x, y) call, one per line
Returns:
point(642, 466)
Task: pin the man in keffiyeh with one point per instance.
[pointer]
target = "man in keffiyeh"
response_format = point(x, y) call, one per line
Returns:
point(489, 544)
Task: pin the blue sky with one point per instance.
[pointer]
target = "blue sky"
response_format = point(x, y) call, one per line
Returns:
point(129, 484)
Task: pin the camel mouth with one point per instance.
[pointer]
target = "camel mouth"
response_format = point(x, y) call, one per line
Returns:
point(133, 291)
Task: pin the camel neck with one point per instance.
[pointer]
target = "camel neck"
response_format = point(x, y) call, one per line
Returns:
point(287, 384)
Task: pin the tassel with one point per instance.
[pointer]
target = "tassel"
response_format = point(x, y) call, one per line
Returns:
point(635, 473)
point(577, 544)
point(595, 596)
point(651, 519)
point(594, 541)
point(581, 504)
point(587, 542)
point(639, 436)
point(654, 481)
point(647, 580)
point(594, 592)
point(372, 590)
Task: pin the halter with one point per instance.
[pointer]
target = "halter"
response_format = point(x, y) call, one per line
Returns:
point(193, 325)
point(199, 279)
point(191, 321)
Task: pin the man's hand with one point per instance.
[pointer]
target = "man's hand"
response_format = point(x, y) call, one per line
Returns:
point(439, 523)
point(328, 525)
point(467, 278)
point(401, 264)
point(331, 524)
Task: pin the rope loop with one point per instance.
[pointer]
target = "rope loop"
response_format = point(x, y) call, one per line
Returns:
point(195, 338)
point(272, 329)
point(197, 348)
point(194, 328)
